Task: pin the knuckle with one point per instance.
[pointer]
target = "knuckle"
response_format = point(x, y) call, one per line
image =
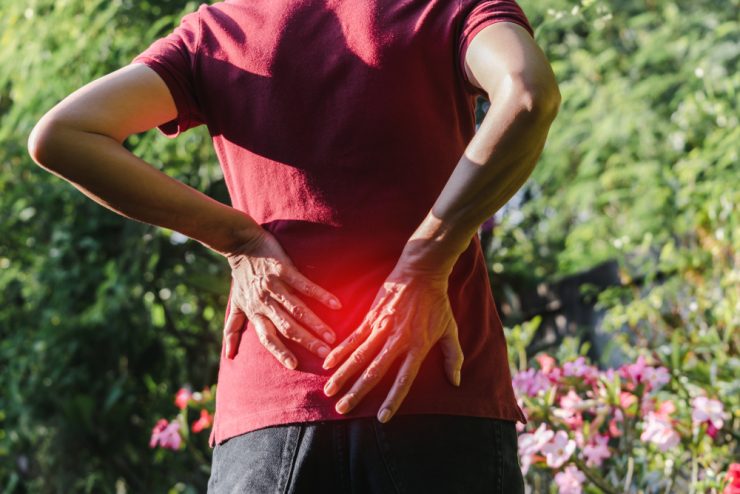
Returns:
point(404, 380)
point(281, 270)
point(353, 339)
point(263, 339)
point(288, 330)
point(264, 297)
point(279, 297)
point(358, 357)
point(372, 373)
point(298, 312)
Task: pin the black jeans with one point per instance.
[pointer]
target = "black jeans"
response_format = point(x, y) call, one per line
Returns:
point(427, 453)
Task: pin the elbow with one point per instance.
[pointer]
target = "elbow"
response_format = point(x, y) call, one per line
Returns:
point(537, 101)
point(41, 141)
point(33, 145)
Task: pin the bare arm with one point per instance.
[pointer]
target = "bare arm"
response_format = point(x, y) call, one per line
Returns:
point(504, 61)
point(412, 311)
point(80, 140)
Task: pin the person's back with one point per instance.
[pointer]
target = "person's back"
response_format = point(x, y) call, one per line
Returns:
point(337, 125)
point(340, 127)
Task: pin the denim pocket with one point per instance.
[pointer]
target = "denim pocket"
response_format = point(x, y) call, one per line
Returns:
point(257, 461)
point(441, 453)
point(510, 476)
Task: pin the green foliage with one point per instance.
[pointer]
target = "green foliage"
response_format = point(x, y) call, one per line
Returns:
point(641, 166)
point(104, 318)
point(644, 150)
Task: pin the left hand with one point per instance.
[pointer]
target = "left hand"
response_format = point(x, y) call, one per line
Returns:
point(410, 313)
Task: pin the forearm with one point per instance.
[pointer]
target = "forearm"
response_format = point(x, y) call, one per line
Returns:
point(105, 171)
point(495, 164)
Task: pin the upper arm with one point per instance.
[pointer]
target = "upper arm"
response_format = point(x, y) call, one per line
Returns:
point(157, 89)
point(127, 101)
point(505, 53)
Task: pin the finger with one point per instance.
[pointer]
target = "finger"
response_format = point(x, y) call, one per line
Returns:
point(350, 344)
point(405, 378)
point(233, 330)
point(358, 360)
point(307, 287)
point(300, 312)
point(267, 335)
point(292, 330)
point(452, 352)
point(371, 376)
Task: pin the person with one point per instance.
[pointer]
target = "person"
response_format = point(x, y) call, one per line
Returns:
point(362, 350)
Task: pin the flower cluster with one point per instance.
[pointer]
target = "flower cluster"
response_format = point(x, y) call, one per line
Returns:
point(172, 434)
point(611, 428)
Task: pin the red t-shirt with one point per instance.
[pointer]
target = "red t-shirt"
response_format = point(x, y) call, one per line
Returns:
point(337, 124)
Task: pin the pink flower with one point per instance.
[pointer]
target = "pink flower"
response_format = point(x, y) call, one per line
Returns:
point(559, 450)
point(596, 451)
point(639, 373)
point(732, 479)
point(659, 430)
point(580, 440)
point(167, 435)
point(614, 430)
point(182, 397)
point(626, 401)
point(576, 368)
point(547, 363)
point(634, 372)
point(656, 377)
point(665, 410)
point(579, 368)
point(570, 481)
point(531, 444)
point(707, 410)
point(569, 411)
point(531, 382)
point(571, 401)
point(158, 428)
point(204, 422)
point(712, 431)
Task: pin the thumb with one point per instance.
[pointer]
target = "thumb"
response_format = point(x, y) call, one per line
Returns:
point(233, 330)
point(452, 352)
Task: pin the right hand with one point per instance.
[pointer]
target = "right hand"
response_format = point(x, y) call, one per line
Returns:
point(264, 281)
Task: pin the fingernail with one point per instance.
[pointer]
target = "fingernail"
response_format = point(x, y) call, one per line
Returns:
point(290, 362)
point(329, 337)
point(456, 378)
point(330, 388)
point(323, 351)
point(328, 363)
point(335, 304)
point(384, 415)
point(343, 405)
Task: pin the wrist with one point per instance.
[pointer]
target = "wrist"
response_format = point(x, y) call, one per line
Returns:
point(236, 234)
point(435, 246)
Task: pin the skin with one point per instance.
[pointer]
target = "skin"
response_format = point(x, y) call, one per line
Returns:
point(80, 140)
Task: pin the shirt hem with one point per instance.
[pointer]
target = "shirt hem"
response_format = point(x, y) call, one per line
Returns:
point(248, 422)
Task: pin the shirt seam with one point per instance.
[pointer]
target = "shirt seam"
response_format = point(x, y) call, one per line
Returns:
point(196, 58)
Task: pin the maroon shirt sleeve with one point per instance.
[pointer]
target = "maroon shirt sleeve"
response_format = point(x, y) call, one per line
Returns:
point(174, 57)
point(476, 15)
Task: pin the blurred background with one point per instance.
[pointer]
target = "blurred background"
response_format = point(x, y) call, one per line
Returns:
point(623, 243)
